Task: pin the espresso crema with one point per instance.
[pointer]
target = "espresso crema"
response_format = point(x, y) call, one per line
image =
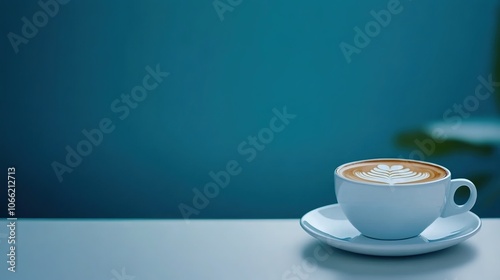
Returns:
point(392, 172)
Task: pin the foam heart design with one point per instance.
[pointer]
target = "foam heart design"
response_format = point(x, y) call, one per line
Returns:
point(394, 174)
point(390, 168)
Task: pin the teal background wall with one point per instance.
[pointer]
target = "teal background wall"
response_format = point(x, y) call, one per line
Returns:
point(225, 79)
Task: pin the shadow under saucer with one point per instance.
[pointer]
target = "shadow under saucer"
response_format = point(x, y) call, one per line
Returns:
point(357, 266)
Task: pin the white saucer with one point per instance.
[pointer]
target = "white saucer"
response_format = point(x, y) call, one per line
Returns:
point(329, 225)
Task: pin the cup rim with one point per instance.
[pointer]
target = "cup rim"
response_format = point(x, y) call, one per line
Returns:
point(448, 173)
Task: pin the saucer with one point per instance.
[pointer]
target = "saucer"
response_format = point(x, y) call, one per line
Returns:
point(329, 225)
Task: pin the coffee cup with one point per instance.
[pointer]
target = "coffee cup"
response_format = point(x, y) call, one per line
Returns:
point(397, 198)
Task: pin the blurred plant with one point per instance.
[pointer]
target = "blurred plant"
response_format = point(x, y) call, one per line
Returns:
point(477, 136)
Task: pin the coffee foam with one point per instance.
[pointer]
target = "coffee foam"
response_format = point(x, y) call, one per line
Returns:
point(392, 172)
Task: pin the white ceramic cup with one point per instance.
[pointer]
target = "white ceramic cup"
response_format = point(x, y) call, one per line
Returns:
point(399, 211)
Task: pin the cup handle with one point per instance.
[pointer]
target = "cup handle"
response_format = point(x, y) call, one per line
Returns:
point(451, 208)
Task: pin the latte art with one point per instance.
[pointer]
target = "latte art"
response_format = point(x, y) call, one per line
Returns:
point(392, 171)
point(395, 174)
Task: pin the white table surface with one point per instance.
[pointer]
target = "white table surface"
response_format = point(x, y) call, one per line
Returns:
point(223, 249)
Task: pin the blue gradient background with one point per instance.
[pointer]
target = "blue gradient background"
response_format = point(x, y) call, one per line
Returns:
point(226, 77)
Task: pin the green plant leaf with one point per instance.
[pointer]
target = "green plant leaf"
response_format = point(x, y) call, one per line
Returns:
point(481, 180)
point(431, 148)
